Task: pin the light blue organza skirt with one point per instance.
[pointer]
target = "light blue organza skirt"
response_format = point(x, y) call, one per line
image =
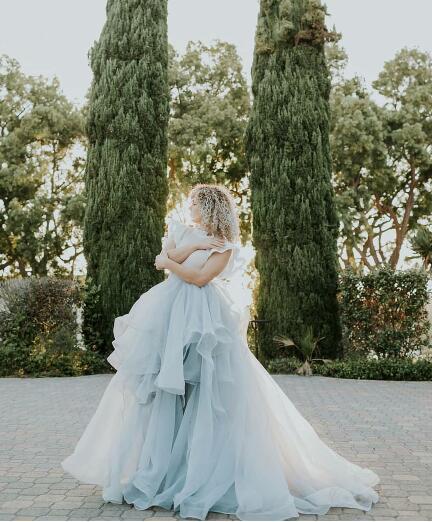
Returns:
point(193, 422)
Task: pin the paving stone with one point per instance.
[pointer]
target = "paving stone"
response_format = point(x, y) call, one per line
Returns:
point(49, 517)
point(113, 513)
point(85, 513)
point(59, 512)
point(33, 511)
point(7, 496)
point(35, 491)
point(385, 512)
point(135, 514)
point(91, 505)
point(405, 477)
point(396, 493)
point(12, 506)
point(403, 506)
point(66, 504)
point(412, 517)
point(359, 419)
point(419, 499)
point(105, 518)
point(47, 480)
point(357, 516)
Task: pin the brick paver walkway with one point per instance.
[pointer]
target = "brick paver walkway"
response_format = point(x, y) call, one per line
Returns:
point(386, 426)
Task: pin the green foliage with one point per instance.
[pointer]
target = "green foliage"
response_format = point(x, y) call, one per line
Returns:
point(283, 364)
point(306, 345)
point(38, 329)
point(394, 369)
point(421, 243)
point(384, 312)
point(126, 170)
point(295, 225)
point(92, 316)
point(15, 363)
point(41, 173)
point(382, 158)
point(208, 115)
point(291, 23)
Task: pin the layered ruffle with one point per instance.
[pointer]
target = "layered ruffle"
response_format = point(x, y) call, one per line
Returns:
point(193, 422)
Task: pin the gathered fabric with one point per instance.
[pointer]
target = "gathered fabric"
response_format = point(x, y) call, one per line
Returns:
point(191, 420)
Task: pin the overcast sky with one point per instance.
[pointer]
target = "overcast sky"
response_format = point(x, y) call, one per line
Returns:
point(52, 37)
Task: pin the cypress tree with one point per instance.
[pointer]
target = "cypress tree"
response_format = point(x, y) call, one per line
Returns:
point(295, 224)
point(126, 172)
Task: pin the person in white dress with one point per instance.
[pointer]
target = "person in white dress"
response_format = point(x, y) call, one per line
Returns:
point(191, 420)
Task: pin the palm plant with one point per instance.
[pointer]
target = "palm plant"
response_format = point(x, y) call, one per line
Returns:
point(422, 246)
point(307, 345)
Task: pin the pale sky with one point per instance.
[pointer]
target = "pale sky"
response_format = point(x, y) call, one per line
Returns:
point(52, 37)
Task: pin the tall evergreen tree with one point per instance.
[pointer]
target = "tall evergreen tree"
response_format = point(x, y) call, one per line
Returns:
point(295, 224)
point(126, 173)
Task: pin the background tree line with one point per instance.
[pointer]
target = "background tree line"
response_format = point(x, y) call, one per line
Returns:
point(381, 140)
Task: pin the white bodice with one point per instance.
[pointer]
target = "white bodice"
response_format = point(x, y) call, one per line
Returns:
point(184, 235)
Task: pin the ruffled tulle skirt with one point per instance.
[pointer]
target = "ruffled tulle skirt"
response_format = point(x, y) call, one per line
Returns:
point(191, 420)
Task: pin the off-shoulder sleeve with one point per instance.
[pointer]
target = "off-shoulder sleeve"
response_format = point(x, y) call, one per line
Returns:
point(227, 246)
point(229, 269)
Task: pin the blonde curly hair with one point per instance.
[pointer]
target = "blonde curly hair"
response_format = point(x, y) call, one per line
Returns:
point(218, 210)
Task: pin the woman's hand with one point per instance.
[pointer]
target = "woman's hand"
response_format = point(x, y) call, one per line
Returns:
point(210, 242)
point(160, 261)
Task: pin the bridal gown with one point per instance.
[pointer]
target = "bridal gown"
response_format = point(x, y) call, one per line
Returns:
point(191, 421)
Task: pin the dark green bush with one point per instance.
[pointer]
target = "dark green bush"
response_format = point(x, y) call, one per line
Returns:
point(39, 327)
point(384, 312)
point(15, 363)
point(391, 368)
point(282, 364)
point(92, 318)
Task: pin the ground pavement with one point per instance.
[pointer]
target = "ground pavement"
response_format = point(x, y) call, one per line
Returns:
point(386, 426)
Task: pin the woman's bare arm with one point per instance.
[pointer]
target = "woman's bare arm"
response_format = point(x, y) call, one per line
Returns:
point(200, 276)
point(179, 254)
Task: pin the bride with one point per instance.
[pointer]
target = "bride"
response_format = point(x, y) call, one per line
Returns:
point(191, 421)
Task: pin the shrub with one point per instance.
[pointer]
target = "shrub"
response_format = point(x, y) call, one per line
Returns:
point(283, 365)
point(391, 368)
point(384, 311)
point(38, 329)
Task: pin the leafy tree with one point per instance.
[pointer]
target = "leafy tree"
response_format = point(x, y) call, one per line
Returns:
point(126, 170)
point(359, 166)
point(295, 225)
point(382, 159)
point(209, 111)
point(41, 171)
point(406, 84)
